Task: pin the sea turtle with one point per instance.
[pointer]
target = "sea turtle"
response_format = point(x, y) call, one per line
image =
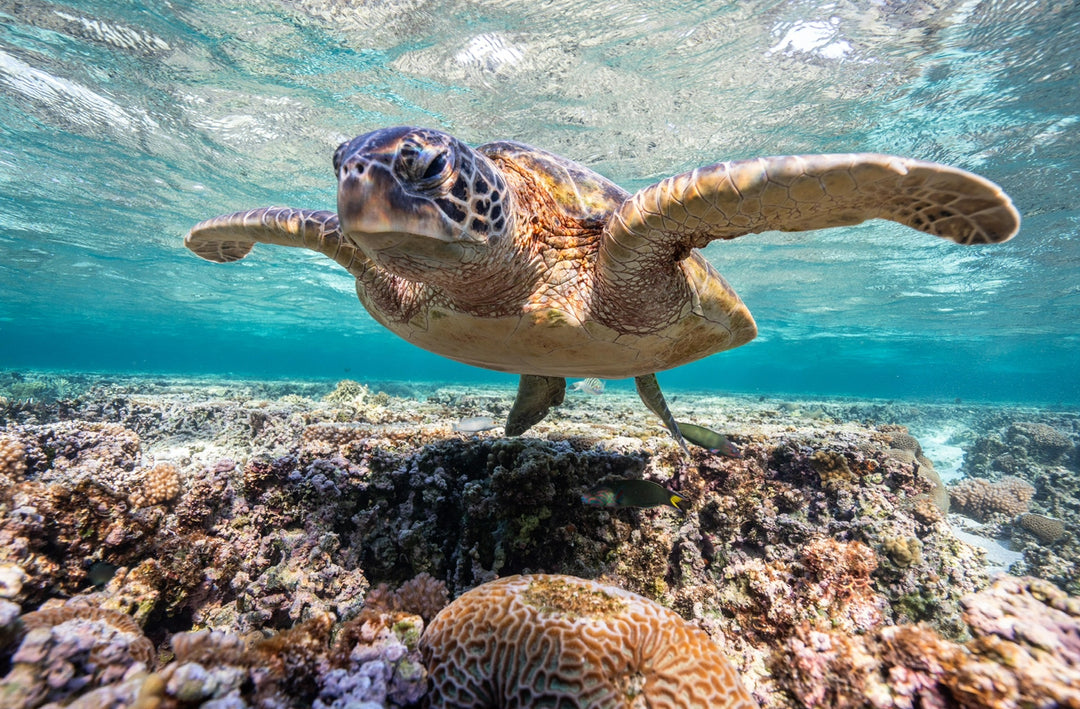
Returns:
point(512, 258)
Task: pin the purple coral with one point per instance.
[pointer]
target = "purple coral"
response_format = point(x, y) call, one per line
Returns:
point(69, 649)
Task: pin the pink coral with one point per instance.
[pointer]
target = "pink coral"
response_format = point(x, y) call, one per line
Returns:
point(829, 582)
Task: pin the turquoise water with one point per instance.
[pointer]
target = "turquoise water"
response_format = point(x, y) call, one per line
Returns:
point(123, 124)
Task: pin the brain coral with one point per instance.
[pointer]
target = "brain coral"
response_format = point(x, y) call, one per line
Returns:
point(550, 640)
point(1047, 529)
point(1042, 442)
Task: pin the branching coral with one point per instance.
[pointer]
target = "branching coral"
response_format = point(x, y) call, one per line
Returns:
point(159, 484)
point(347, 392)
point(983, 499)
point(525, 641)
point(422, 595)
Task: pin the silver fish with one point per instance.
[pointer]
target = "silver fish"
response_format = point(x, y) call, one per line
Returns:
point(592, 386)
point(475, 424)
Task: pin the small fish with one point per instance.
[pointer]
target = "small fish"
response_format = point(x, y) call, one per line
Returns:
point(101, 572)
point(711, 440)
point(592, 385)
point(475, 424)
point(631, 493)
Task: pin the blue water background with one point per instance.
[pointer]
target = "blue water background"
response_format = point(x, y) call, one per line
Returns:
point(123, 124)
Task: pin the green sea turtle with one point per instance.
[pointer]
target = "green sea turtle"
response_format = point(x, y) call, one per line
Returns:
point(512, 258)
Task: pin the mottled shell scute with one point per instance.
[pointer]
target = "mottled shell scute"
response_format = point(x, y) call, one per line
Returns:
point(580, 192)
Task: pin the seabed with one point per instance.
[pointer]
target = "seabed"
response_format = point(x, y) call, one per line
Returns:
point(169, 542)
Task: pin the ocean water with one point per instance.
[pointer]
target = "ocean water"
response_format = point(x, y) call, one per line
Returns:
point(123, 124)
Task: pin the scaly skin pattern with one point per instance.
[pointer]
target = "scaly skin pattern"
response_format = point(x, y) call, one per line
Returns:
point(514, 259)
point(551, 331)
point(657, 228)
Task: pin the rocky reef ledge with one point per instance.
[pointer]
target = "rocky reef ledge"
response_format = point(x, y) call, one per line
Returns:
point(225, 544)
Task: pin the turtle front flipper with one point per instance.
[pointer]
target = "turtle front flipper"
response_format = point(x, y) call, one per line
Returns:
point(649, 391)
point(643, 258)
point(536, 395)
point(231, 237)
point(805, 192)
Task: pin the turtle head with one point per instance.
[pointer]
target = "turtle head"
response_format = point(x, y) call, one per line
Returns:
point(420, 203)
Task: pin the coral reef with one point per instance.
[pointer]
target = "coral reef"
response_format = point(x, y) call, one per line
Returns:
point(253, 533)
point(1025, 651)
point(547, 640)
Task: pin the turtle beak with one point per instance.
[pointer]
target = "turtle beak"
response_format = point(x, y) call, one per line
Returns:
point(377, 212)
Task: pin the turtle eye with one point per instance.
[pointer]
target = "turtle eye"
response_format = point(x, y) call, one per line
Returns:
point(435, 167)
point(424, 165)
point(431, 168)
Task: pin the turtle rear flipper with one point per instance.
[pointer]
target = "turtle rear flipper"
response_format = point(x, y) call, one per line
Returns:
point(231, 237)
point(648, 390)
point(536, 395)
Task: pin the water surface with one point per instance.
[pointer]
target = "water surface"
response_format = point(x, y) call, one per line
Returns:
point(123, 124)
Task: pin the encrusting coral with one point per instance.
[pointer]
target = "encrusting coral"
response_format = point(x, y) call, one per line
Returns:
point(1025, 652)
point(547, 640)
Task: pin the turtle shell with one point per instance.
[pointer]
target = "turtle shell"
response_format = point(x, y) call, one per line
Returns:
point(578, 191)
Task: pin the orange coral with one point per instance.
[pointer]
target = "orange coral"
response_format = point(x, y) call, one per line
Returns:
point(523, 641)
point(160, 484)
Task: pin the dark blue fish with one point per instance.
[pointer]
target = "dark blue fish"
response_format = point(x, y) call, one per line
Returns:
point(710, 440)
point(631, 493)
